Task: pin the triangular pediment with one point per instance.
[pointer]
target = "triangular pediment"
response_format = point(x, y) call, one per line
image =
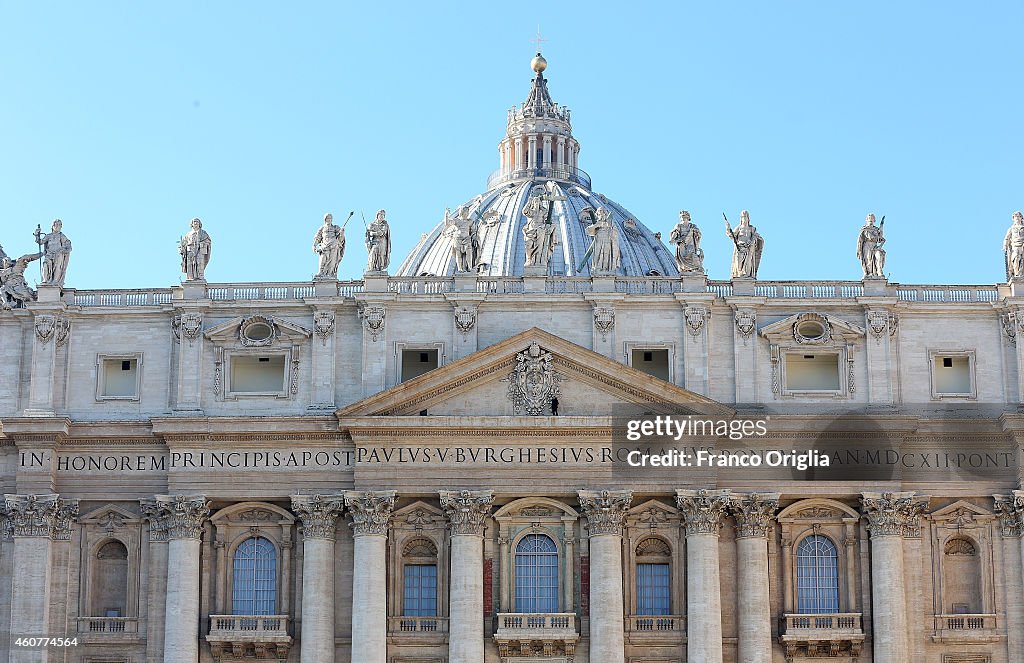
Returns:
point(589, 384)
point(236, 330)
point(810, 328)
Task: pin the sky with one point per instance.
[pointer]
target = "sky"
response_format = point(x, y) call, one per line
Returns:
point(127, 119)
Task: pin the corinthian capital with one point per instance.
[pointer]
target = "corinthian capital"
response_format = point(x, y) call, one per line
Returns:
point(702, 509)
point(754, 513)
point(39, 515)
point(467, 509)
point(893, 514)
point(319, 514)
point(1011, 514)
point(370, 511)
point(176, 516)
point(605, 510)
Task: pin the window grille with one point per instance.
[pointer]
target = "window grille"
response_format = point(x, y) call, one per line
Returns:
point(419, 597)
point(817, 576)
point(536, 574)
point(254, 590)
point(652, 589)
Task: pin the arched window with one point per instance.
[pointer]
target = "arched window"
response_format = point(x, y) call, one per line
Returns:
point(653, 577)
point(817, 576)
point(254, 586)
point(110, 580)
point(961, 569)
point(536, 574)
point(419, 578)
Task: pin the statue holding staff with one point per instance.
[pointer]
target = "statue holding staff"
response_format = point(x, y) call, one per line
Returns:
point(869, 248)
point(747, 247)
point(378, 244)
point(686, 237)
point(56, 249)
point(329, 243)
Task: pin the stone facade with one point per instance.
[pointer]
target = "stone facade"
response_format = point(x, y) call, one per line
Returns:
point(367, 433)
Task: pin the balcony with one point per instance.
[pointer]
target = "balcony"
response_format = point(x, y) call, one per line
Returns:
point(108, 629)
point(655, 629)
point(825, 635)
point(965, 629)
point(549, 172)
point(235, 637)
point(536, 634)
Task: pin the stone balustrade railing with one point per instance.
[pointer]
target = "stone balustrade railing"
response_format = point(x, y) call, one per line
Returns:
point(108, 625)
point(823, 624)
point(418, 624)
point(553, 624)
point(233, 627)
point(964, 622)
point(656, 624)
point(511, 285)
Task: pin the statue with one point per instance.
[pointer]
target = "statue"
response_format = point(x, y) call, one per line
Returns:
point(462, 230)
point(1013, 247)
point(747, 247)
point(14, 290)
point(869, 248)
point(378, 244)
point(605, 247)
point(329, 243)
point(539, 232)
point(56, 250)
point(194, 248)
point(686, 237)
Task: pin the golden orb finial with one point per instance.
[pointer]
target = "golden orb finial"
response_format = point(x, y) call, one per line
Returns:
point(538, 63)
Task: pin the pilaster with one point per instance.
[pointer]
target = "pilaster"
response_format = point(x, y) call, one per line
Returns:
point(881, 324)
point(324, 358)
point(51, 329)
point(188, 325)
point(696, 322)
point(373, 319)
point(745, 348)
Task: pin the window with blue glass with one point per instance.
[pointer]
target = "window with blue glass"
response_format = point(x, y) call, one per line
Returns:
point(652, 589)
point(254, 581)
point(817, 576)
point(419, 596)
point(536, 574)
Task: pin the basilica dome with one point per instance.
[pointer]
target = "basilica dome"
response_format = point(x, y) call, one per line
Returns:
point(538, 157)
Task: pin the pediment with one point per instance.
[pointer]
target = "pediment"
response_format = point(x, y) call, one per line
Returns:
point(961, 511)
point(109, 516)
point(237, 331)
point(588, 384)
point(535, 507)
point(253, 514)
point(418, 515)
point(652, 513)
point(801, 329)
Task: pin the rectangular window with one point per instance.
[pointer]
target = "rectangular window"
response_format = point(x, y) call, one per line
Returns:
point(257, 374)
point(652, 362)
point(812, 372)
point(118, 377)
point(419, 595)
point(417, 362)
point(951, 374)
point(653, 589)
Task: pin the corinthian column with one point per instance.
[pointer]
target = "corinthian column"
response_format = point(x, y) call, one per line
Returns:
point(34, 522)
point(466, 510)
point(891, 517)
point(605, 511)
point(182, 518)
point(1011, 520)
point(319, 515)
point(371, 516)
point(702, 512)
point(754, 515)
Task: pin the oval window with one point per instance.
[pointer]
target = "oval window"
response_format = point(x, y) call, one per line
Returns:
point(258, 331)
point(811, 329)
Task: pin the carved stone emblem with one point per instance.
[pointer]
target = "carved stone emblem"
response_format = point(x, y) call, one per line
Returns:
point(604, 320)
point(465, 319)
point(45, 325)
point(63, 331)
point(534, 382)
point(373, 320)
point(191, 324)
point(880, 322)
point(323, 324)
point(745, 320)
point(696, 318)
point(1009, 323)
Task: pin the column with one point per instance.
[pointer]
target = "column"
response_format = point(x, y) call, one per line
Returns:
point(157, 589)
point(182, 518)
point(1011, 521)
point(319, 515)
point(371, 517)
point(891, 517)
point(531, 155)
point(518, 157)
point(466, 511)
point(702, 512)
point(34, 522)
point(560, 152)
point(605, 511)
point(547, 151)
point(755, 518)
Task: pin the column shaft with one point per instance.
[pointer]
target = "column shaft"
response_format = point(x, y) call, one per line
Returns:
point(703, 600)
point(181, 622)
point(30, 597)
point(317, 641)
point(466, 600)
point(753, 609)
point(607, 644)
point(889, 604)
point(369, 599)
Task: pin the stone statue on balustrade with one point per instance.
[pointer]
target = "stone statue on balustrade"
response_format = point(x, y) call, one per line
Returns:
point(604, 250)
point(194, 248)
point(462, 229)
point(686, 237)
point(14, 290)
point(747, 247)
point(329, 244)
point(869, 248)
point(378, 244)
point(539, 231)
point(56, 249)
point(1013, 248)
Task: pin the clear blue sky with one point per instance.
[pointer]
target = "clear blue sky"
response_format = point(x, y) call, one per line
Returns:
point(126, 119)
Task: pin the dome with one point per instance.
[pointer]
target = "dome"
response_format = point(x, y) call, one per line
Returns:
point(503, 247)
point(538, 156)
